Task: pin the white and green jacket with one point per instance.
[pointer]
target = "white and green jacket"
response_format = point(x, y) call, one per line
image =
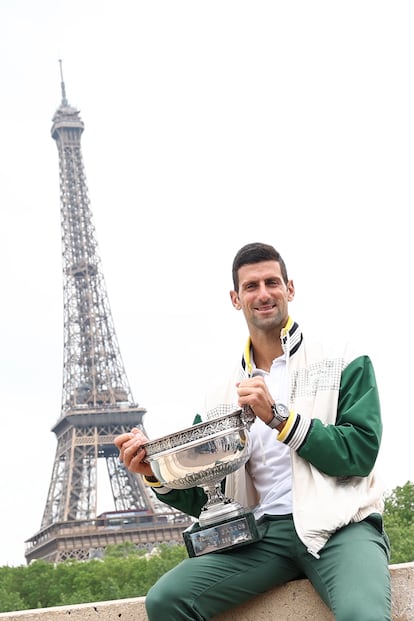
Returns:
point(334, 433)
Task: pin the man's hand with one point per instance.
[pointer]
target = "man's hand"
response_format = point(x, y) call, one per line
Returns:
point(131, 452)
point(255, 393)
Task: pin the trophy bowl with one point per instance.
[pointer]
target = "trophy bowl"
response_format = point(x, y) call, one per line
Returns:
point(203, 455)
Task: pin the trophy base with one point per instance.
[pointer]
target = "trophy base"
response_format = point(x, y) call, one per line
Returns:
point(228, 534)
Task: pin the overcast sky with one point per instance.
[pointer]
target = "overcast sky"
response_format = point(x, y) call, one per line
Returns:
point(207, 125)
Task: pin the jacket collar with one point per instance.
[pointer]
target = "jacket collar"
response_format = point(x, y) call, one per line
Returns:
point(291, 338)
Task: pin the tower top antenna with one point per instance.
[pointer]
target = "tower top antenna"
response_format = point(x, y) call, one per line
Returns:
point(62, 85)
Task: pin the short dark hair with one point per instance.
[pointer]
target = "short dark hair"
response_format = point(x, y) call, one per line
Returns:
point(255, 253)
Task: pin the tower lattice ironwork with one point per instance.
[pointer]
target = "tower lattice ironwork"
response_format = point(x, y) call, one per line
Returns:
point(97, 403)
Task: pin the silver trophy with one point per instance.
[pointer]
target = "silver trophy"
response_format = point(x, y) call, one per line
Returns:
point(203, 455)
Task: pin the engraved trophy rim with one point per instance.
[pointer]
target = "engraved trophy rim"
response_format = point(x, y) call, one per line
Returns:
point(196, 433)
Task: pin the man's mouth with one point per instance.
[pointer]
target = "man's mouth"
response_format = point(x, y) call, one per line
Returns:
point(266, 308)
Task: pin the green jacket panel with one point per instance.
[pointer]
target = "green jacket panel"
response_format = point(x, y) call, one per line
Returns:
point(350, 447)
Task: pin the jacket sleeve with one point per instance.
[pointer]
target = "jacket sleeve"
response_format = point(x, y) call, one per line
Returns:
point(189, 501)
point(350, 446)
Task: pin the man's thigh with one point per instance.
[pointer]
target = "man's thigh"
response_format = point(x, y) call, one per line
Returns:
point(352, 573)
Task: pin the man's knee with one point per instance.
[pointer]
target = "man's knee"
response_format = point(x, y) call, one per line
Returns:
point(364, 609)
point(163, 601)
point(155, 600)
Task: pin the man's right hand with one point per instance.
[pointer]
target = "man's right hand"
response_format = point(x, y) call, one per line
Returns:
point(131, 452)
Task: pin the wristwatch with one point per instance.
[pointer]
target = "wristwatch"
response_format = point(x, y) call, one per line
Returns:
point(280, 414)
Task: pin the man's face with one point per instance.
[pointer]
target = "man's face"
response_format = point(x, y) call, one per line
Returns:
point(263, 296)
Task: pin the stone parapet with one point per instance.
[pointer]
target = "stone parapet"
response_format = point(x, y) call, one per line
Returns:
point(295, 601)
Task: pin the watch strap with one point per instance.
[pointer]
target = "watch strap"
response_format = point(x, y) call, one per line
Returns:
point(280, 415)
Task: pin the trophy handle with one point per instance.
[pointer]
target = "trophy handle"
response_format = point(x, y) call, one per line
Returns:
point(247, 416)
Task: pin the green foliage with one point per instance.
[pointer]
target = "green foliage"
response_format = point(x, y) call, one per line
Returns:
point(10, 601)
point(123, 550)
point(9, 592)
point(399, 523)
point(124, 572)
point(400, 504)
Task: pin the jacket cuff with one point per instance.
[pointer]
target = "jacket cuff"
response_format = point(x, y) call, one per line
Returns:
point(295, 431)
point(150, 483)
point(158, 487)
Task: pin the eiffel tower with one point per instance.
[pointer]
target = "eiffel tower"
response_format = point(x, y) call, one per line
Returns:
point(97, 403)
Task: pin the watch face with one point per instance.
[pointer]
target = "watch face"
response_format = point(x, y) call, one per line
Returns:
point(282, 410)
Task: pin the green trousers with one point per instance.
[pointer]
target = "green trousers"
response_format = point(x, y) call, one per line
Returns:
point(351, 575)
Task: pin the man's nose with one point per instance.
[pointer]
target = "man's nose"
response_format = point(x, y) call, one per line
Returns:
point(263, 292)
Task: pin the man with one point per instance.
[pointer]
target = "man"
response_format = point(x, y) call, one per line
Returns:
point(310, 473)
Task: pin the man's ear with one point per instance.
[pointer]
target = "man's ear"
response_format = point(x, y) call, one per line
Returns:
point(235, 300)
point(291, 290)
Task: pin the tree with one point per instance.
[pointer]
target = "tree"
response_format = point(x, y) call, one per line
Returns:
point(9, 594)
point(399, 523)
point(123, 572)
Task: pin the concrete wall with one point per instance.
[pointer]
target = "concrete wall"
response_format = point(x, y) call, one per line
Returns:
point(295, 601)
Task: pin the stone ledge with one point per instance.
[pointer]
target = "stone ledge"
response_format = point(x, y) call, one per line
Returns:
point(295, 601)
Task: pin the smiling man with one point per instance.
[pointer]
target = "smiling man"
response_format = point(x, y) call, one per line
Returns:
point(309, 478)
